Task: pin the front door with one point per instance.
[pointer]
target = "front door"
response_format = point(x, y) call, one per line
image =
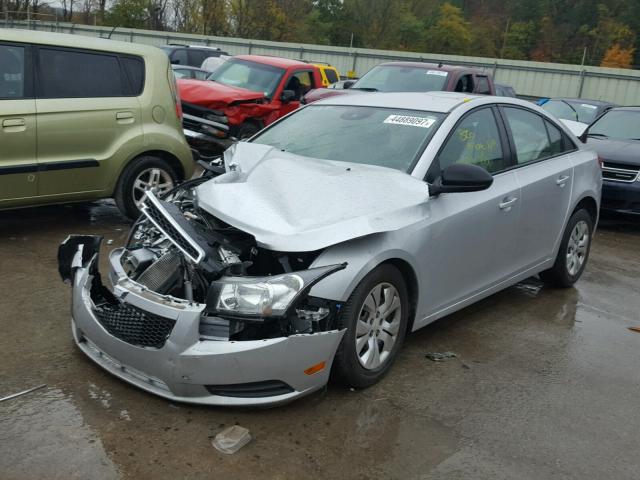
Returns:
point(300, 83)
point(87, 120)
point(18, 164)
point(471, 246)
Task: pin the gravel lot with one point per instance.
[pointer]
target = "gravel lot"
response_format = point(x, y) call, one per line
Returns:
point(546, 385)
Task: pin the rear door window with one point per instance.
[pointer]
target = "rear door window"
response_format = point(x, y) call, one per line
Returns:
point(482, 85)
point(79, 74)
point(134, 67)
point(196, 57)
point(12, 71)
point(179, 57)
point(530, 137)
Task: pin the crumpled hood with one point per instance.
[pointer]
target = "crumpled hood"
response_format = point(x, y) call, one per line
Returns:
point(622, 151)
point(207, 92)
point(295, 204)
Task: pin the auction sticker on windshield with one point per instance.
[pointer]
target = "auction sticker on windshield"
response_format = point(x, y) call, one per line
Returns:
point(411, 121)
point(437, 72)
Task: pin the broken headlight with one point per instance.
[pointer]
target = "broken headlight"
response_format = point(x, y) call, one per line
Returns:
point(263, 296)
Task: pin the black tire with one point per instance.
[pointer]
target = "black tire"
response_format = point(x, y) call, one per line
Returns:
point(347, 368)
point(559, 275)
point(124, 195)
point(247, 130)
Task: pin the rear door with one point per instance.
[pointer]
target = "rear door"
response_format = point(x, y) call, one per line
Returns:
point(471, 245)
point(87, 109)
point(545, 174)
point(18, 164)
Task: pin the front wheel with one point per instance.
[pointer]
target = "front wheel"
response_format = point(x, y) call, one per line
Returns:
point(573, 252)
point(375, 317)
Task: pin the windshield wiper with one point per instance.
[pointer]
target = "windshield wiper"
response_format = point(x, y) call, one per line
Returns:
point(367, 89)
point(597, 135)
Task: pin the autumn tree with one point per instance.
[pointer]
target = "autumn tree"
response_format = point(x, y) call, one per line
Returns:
point(618, 57)
point(451, 32)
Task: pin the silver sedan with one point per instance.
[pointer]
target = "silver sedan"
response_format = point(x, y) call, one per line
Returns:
point(313, 249)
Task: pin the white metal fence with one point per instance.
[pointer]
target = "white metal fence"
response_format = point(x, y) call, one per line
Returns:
point(531, 79)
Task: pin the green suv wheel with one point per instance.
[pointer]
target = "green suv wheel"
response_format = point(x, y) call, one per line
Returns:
point(143, 174)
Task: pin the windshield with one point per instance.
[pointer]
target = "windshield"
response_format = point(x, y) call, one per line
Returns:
point(389, 78)
point(250, 75)
point(572, 110)
point(618, 124)
point(386, 137)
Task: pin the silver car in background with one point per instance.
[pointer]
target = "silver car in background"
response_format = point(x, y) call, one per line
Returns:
point(318, 244)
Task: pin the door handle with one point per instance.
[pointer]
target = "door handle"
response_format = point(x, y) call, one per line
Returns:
point(14, 122)
point(507, 203)
point(562, 180)
point(124, 116)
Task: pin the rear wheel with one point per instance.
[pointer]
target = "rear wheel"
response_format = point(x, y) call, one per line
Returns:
point(142, 174)
point(375, 317)
point(573, 253)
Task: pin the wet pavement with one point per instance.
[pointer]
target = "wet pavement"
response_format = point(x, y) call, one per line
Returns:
point(545, 385)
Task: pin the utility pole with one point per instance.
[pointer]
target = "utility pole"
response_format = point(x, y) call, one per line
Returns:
point(504, 38)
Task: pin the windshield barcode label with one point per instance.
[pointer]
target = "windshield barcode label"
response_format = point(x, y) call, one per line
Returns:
point(410, 121)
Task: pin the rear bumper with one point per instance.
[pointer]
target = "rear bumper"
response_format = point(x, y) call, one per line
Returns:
point(187, 368)
point(621, 197)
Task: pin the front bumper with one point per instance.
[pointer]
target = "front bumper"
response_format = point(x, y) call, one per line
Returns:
point(621, 197)
point(186, 368)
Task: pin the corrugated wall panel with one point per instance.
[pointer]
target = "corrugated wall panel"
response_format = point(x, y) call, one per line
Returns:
point(536, 79)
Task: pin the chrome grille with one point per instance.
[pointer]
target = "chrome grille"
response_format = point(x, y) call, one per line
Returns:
point(154, 211)
point(617, 172)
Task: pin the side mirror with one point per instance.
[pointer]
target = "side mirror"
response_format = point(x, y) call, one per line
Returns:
point(348, 84)
point(287, 96)
point(584, 136)
point(461, 177)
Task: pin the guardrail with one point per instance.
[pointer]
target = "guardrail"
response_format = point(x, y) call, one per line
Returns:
point(530, 79)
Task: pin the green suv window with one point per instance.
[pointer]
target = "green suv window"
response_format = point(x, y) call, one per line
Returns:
point(12, 71)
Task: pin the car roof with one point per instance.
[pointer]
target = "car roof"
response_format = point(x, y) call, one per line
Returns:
point(583, 100)
point(430, 66)
point(76, 41)
point(273, 61)
point(441, 102)
point(631, 108)
point(187, 67)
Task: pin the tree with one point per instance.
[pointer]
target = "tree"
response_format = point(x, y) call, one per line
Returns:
point(451, 32)
point(618, 57)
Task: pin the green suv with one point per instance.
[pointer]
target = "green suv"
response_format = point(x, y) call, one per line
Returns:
point(84, 118)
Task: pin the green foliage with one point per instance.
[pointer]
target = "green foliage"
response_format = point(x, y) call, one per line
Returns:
point(544, 30)
point(451, 32)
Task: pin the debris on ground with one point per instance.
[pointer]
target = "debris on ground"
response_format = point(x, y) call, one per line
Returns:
point(9, 397)
point(635, 329)
point(110, 242)
point(231, 439)
point(440, 356)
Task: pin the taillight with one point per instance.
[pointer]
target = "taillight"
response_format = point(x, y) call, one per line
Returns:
point(178, 102)
point(175, 93)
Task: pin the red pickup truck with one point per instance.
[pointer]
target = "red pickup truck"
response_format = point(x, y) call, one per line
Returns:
point(245, 94)
point(414, 77)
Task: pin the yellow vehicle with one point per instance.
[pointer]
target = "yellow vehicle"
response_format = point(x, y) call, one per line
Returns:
point(329, 73)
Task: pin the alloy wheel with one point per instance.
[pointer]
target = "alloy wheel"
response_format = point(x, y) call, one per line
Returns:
point(155, 178)
point(577, 247)
point(378, 326)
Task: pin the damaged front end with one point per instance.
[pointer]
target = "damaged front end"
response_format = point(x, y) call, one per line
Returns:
point(199, 312)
